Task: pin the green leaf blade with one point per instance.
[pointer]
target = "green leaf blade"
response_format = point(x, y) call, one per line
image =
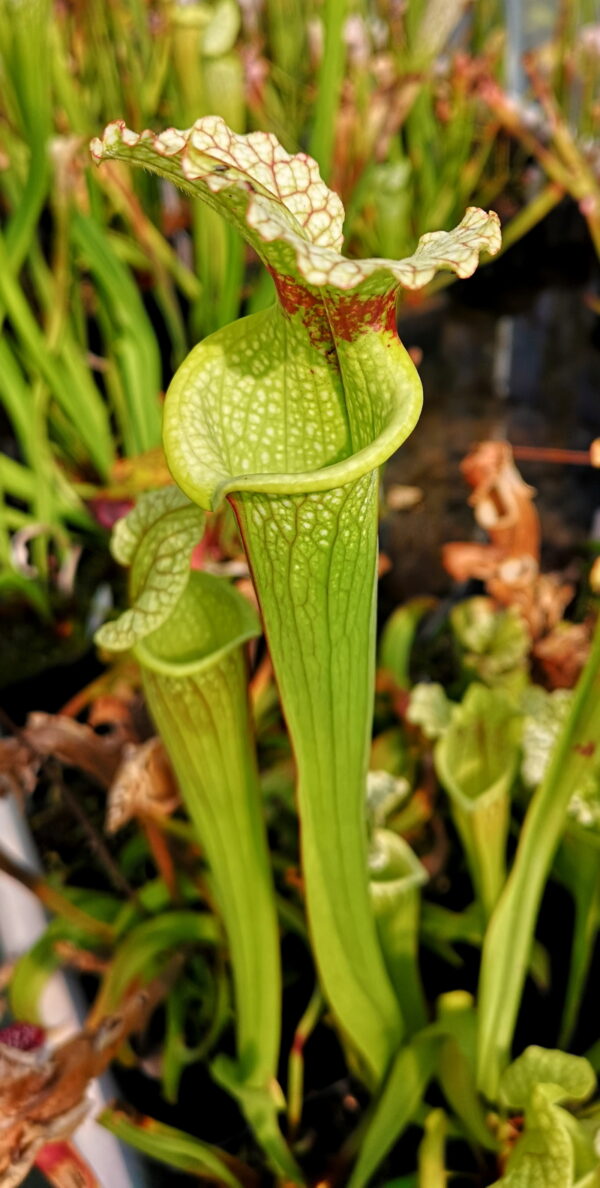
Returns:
point(510, 934)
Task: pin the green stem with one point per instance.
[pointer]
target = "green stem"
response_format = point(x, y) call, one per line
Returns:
point(295, 1086)
point(402, 1094)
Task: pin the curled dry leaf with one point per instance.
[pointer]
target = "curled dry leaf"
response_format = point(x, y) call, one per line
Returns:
point(118, 713)
point(466, 559)
point(562, 654)
point(502, 502)
point(74, 744)
point(43, 1090)
point(509, 564)
point(541, 600)
point(144, 785)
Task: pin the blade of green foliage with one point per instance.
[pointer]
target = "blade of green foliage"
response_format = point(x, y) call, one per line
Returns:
point(201, 1001)
point(30, 976)
point(173, 1147)
point(209, 76)
point(393, 1110)
point(510, 933)
point(194, 679)
point(36, 482)
point(442, 929)
point(577, 865)
point(402, 1182)
point(476, 760)
point(33, 968)
point(288, 413)
point(397, 639)
point(131, 337)
point(25, 80)
point(142, 953)
point(329, 84)
point(91, 417)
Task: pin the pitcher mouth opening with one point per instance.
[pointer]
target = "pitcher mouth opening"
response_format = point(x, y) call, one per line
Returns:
point(402, 421)
point(327, 478)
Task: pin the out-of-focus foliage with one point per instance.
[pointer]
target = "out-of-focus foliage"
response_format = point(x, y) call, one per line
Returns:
point(107, 279)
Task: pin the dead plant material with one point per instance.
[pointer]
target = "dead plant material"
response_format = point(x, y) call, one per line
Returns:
point(562, 654)
point(510, 563)
point(18, 768)
point(53, 740)
point(53, 898)
point(55, 736)
point(502, 501)
point(144, 785)
point(61, 738)
point(120, 683)
point(117, 714)
point(64, 1167)
point(43, 1090)
point(82, 960)
point(76, 744)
